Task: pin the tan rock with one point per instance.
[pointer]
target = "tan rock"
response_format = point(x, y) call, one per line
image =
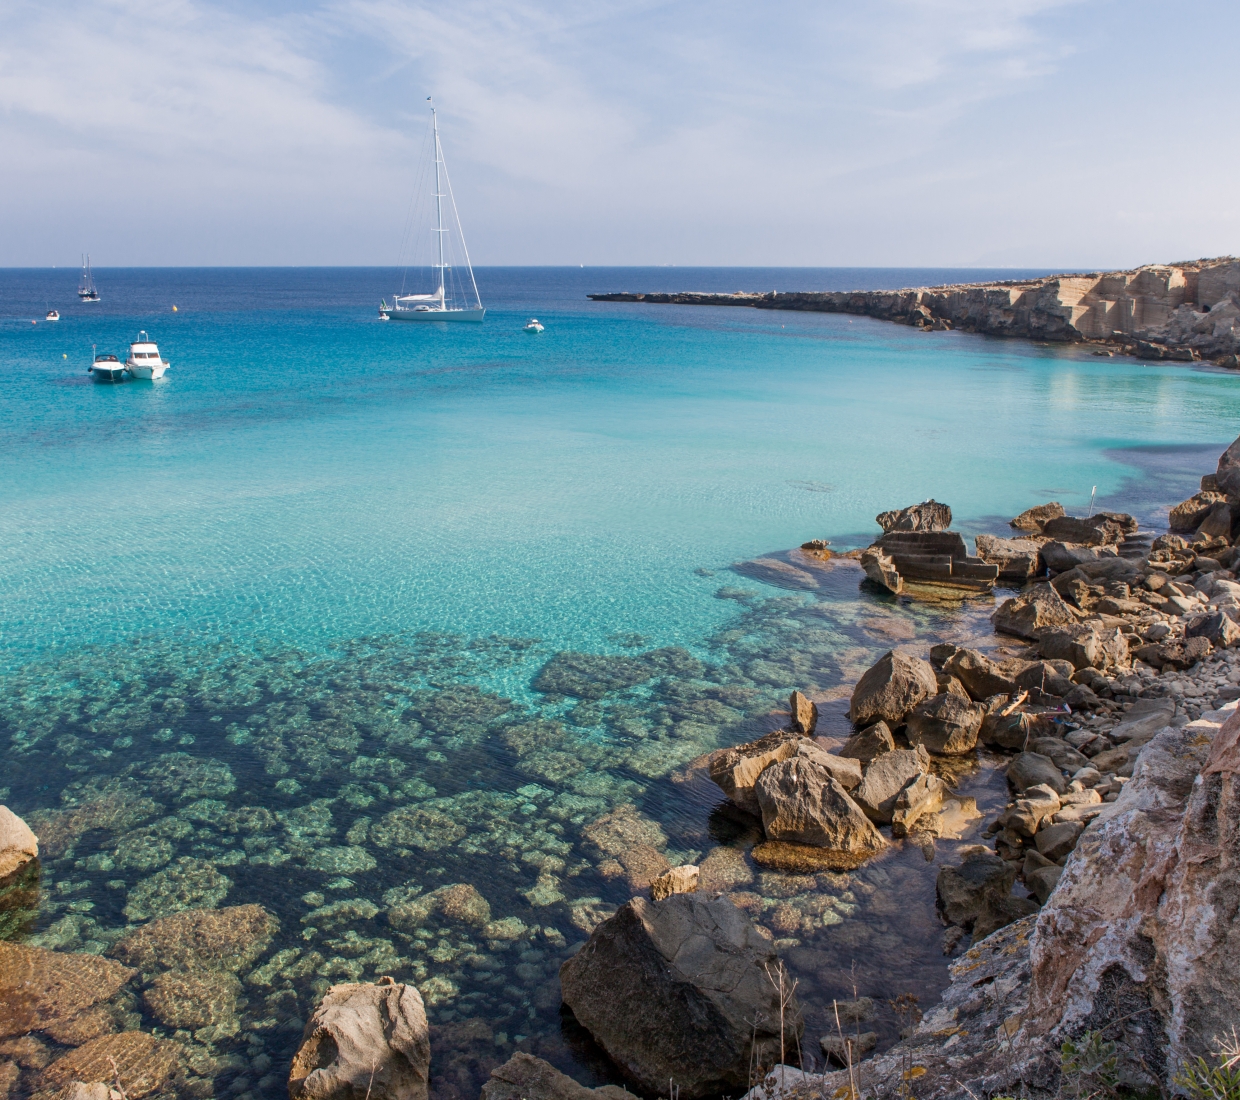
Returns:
point(735, 770)
point(39, 988)
point(143, 1063)
point(885, 778)
point(364, 1039)
point(1037, 608)
point(677, 880)
point(212, 939)
point(1034, 519)
point(945, 724)
point(804, 713)
point(870, 742)
point(921, 797)
point(892, 687)
point(524, 1077)
point(18, 845)
point(625, 827)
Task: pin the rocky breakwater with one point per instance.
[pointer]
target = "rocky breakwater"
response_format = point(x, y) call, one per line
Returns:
point(1181, 311)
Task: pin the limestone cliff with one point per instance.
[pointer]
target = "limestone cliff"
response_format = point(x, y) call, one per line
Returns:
point(1182, 311)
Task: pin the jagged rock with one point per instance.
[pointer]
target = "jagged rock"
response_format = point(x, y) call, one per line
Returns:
point(1100, 529)
point(1059, 752)
point(803, 803)
point(1008, 730)
point(676, 880)
point(1227, 477)
point(980, 676)
point(945, 724)
point(804, 714)
point(920, 798)
point(1056, 841)
point(1221, 632)
point(701, 974)
point(1060, 557)
point(18, 845)
point(211, 939)
point(1188, 514)
point(364, 1039)
point(1036, 609)
point(1082, 647)
point(949, 685)
point(1034, 519)
point(928, 516)
point(870, 742)
point(40, 989)
point(1042, 882)
point(524, 1077)
point(880, 567)
point(735, 770)
point(1031, 768)
point(1037, 804)
point(848, 1048)
point(1144, 719)
point(1216, 525)
point(1017, 559)
point(1045, 677)
point(978, 894)
point(144, 1064)
point(891, 688)
point(885, 778)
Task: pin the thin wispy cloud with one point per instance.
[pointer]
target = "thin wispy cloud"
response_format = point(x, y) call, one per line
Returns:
point(812, 133)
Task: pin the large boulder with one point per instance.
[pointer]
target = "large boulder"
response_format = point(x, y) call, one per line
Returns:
point(885, 778)
point(1217, 627)
point(802, 803)
point(1100, 529)
point(1060, 557)
point(1017, 559)
point(735, 770)
point(804, 713)
point(980, 676)
point(1083, 647)
point(18, 845)
point(945, 724)
point(1034, 519)
point(870, 742)
point(364, 1040)
point(891, 688)
point(1188, 514)
point(1216, 525)
point(1038, 608)
point(706, 983)
point(928, 516)
point(524, 1077)
point(921, 797)
point(1031, 768)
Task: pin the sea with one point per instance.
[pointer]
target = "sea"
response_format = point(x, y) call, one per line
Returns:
point(417, 635)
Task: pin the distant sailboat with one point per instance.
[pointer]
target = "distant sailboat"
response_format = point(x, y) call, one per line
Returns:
point(86, 288)
point(452, 299)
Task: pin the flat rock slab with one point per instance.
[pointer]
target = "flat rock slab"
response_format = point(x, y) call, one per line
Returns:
point(524, 1077)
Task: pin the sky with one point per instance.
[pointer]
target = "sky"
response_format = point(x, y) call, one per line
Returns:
point(1059, 134)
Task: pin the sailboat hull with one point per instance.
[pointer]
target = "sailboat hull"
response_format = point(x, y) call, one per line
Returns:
point(475, 315)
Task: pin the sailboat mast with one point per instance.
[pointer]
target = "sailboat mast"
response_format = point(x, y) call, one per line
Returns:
point(439, 207)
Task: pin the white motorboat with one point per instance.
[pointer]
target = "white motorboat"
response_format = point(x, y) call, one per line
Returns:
point(533, 325)
point(86, 288)
point(453, 299)
point(107, 368)
point(144, 361)
point(52, 315)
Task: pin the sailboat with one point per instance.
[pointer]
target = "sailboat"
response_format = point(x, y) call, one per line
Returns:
point(453, 299)
point(86, 288)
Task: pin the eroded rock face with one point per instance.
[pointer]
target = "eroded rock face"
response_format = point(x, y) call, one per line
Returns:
point(804, 713)
point(945, 724)
point(1034, 519)
point(1188, 514)
point(891, 688)
point(736, 770)
point(1017, 559)
point(701, 974)
point(928, 516)
point(364, 1038)
point(18, 845)
point(802, 803)
point(1037, 608)
point(885, 778)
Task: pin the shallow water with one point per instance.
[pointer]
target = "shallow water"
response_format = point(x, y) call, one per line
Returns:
point(343, 612)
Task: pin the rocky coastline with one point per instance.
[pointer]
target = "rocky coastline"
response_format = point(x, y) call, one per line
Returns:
point(1097, 915)
point(1184, 312)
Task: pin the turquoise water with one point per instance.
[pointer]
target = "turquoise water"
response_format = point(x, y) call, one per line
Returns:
point(347, 569)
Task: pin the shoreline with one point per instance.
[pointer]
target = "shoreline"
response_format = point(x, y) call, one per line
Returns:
point(1183, 312)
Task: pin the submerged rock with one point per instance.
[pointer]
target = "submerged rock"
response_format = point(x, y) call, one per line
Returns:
point(41, 989)
point(187, 884)
point(364, 1040)
point(18, 845)
point(708, 987)
point(144, 1064)
point(228, 939)
point(978, 894)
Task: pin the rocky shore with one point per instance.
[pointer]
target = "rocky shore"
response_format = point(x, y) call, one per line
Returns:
point(1181, 311)
point(1090, 936)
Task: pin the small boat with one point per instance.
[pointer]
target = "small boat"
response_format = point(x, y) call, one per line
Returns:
point(144, 361)
point(52, 315)
point(453, 299)
point(384, 309)
point(86, 288)
point(533, 325)
point(107, 368)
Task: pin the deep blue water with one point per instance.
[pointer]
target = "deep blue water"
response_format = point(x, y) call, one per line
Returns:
point(329, 570)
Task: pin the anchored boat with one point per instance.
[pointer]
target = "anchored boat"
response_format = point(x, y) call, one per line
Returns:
point(454, 298)
point(144, 360)
point(86, 287)
point(107, 368)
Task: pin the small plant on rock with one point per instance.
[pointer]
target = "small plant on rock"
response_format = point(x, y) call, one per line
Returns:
point(1090, 1066)
point(1220, 1081)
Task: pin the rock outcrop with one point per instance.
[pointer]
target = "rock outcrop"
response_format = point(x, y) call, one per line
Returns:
point(707, 986)
point(927, 516)
point(364, 1039)
point(736, 770)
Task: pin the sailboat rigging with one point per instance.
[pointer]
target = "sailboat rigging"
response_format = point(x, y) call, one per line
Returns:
point(453, 299)
point(86, 287)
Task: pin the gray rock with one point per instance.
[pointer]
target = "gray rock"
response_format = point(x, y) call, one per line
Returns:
point(1037, 608)
point(1056, 841)
point(364, 1039)
point(852, 1012)
point(928, 516)
point(1043, 676)
point(885, 778)
point(870, 742)
point(1097, 530)
point(524, 1077)
point(702, 976)
point(1144, 719)
point(891, 688)
point(1217, 627)
point(1030, 768)
point(1188, 514)
point(848, 1048)
point(945, 724)
point(802, 803)
point(1034, 519)
point(735, 770)
point(979, 888)
point(1059, 557)
point(980, 676)
point(1083, 647)
point(1217, 523)
point(1042, 882)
